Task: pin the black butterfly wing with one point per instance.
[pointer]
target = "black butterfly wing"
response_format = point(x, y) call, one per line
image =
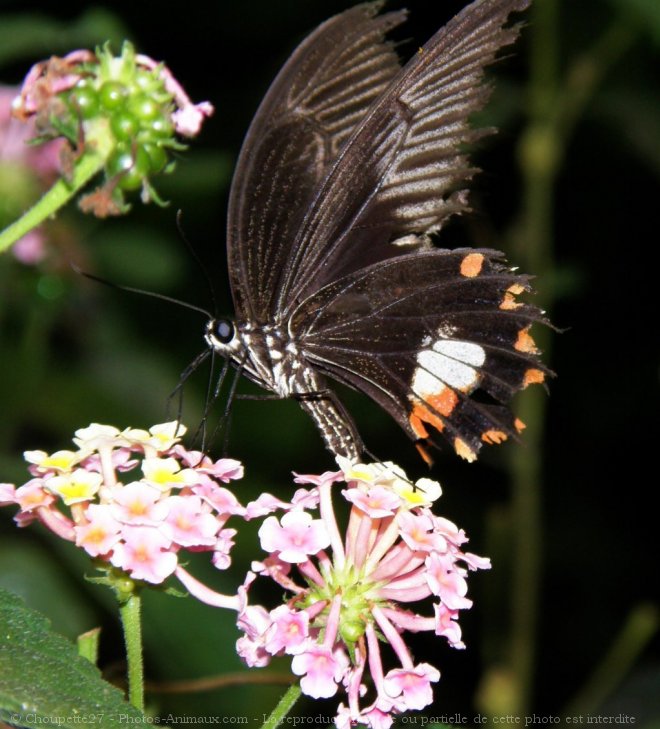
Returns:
point(401, 171)
point(324, 90)
point(438, 339)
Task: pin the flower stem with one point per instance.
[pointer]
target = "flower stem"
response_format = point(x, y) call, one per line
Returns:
point(59, 194)
point(639, 628)
point(555, 106)
point(130, 618)
point(283, 707)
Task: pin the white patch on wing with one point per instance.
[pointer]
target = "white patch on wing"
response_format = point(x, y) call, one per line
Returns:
point(467, 352)
point(424, 383)
point(449, 363)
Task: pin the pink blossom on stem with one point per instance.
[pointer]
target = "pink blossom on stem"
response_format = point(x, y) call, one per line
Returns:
point(350, 591)
point(140, 523)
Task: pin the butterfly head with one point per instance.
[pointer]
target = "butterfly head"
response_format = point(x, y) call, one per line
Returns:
point(249, 349)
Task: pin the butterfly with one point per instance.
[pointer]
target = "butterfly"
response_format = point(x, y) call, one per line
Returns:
point(349, 168)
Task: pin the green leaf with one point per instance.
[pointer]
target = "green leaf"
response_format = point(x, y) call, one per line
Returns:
point(44, 681)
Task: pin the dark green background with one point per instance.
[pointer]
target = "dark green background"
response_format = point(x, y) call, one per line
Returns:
point(73, 352)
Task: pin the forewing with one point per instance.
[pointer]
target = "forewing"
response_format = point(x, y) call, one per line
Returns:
point(321, 94)
point(438, 339)
point(401, 173)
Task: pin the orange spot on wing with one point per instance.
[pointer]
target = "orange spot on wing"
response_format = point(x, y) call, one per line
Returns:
point(524, 342)
point(509, 301)
point(471, 265)
point(416, 424)
point(464, 450)
point(494, 436)
point(533, 376)
point(442, 402)
point(423, 452)
point(519, 425)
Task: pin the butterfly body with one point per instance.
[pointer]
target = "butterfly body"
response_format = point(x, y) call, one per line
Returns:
point(270, 357)
point(349, 168)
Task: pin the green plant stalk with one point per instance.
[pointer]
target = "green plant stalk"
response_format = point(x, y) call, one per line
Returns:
point(554, 111)
point(283, 707)
point(640, 627)
point(89, 165)
point(533, 237)
point(131, 621)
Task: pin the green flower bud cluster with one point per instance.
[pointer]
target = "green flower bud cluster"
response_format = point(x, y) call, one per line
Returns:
point(122, 100)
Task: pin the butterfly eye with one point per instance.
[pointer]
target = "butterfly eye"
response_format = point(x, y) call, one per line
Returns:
point(223, 330)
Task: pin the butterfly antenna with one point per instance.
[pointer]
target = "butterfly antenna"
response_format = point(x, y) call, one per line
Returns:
point(142, 292)
point(198, 260)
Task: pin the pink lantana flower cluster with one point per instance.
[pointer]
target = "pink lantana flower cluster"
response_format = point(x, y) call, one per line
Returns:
point(134, 499)
point(350, 593)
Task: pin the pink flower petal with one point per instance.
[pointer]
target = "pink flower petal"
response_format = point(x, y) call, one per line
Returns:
point(321, 670)
point(447, 626)
point(296, 537)
point(417, 532)
point(7, 494)
point(375, 501)
point(444, 581)
point(225, 541)
point(265, 504)
point(188, 525)
point(101, 532)
point(32, 495)
point(138, 503)
point(413, 686)
point(288, 631)
point(143, 553)
point(326, 477)
point(221, 499)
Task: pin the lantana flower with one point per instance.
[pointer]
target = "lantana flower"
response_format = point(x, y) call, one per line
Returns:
point(397, 568)
point(134, 499)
